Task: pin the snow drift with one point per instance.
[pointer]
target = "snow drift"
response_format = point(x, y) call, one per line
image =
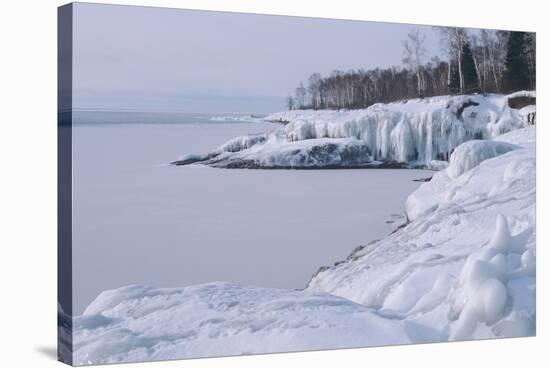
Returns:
point(464, 267)
point(412, 133)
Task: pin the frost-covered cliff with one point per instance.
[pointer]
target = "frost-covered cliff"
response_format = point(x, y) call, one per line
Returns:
point(420, 132)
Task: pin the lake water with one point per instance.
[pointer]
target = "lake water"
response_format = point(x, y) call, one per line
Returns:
point(138, 220)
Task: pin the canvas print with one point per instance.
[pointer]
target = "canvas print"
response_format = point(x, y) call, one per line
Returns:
point(236, 184)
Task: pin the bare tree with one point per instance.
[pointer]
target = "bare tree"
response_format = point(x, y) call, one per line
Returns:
point(446, 43)
point(314, 90)
point(478, 56)
point(489, 44)
point(413, 56)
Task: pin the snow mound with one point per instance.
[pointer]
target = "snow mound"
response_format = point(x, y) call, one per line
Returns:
point(138, 323)
point(472, 153)
point(413, 133)
point(481, 295)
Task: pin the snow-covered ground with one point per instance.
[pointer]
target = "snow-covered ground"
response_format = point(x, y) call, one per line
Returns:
point(463, 268)
point(418, 132)
point(139, 323)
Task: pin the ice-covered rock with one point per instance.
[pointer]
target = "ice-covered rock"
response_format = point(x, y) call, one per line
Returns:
point(273, 151)
point(418, 130)
point(313, 153)
point(413, 133)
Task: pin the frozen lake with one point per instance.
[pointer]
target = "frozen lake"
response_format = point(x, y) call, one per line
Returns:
point(138, 220)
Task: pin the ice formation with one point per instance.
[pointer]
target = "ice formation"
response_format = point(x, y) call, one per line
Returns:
point(413, 133)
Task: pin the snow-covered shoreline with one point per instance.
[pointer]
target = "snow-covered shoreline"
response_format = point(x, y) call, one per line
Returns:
point(463, 268)
point(414, 133)
point(465, 263)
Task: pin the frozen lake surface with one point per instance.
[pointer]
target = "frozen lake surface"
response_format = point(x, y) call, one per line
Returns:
point(138, 220)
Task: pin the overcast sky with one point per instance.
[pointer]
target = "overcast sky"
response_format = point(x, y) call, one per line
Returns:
point(145, 58)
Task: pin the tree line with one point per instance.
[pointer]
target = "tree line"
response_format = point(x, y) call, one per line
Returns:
point(481, 61)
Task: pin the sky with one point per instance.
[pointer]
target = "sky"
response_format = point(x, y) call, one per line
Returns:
point(158, 59)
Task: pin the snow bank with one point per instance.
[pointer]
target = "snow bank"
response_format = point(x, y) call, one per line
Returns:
point(464, 266)
point(137, 323)
point(413, 133)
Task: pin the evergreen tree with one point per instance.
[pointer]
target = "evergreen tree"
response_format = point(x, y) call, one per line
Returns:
point(469, 70)
point(516, 68)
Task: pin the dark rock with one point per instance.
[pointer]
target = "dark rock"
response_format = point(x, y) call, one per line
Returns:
point(466, 104)
point(521, 101)
point(423, 180)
